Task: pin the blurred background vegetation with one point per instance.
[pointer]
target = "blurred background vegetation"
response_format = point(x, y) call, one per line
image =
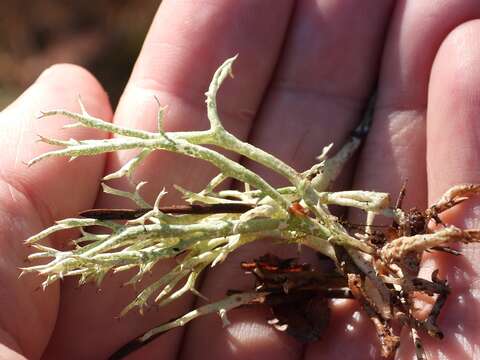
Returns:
point(104, 36)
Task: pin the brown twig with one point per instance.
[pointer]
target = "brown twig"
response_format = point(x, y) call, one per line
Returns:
point(197, 209)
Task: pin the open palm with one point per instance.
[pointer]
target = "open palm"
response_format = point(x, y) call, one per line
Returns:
point(305, 72)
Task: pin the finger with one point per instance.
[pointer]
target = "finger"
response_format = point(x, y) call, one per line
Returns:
point(176, 64)
point(395, 149)
point(316, 96)
point(31, 198)
point(327, 72)
point(187, 41)
point(46, 184)
point(453, 154)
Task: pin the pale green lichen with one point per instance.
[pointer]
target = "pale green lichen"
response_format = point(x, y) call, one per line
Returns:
point(162, 235)
point(208, 239)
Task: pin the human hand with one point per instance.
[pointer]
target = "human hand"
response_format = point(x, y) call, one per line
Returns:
point(304, 74)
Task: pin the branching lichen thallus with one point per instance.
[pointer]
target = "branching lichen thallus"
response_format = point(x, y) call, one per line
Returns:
point(379, 268)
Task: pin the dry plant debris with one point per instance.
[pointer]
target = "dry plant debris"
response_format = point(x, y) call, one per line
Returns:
point(378, 266)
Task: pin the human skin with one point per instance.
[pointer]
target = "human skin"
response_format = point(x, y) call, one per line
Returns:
point(305, 71)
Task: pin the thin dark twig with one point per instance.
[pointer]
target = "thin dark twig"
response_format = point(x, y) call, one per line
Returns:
point(131, 214)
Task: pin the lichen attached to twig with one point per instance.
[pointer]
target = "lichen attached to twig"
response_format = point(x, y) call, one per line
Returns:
point(376, 267)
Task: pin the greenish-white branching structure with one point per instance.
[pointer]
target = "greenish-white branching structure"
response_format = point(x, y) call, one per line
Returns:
point(206, 239)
